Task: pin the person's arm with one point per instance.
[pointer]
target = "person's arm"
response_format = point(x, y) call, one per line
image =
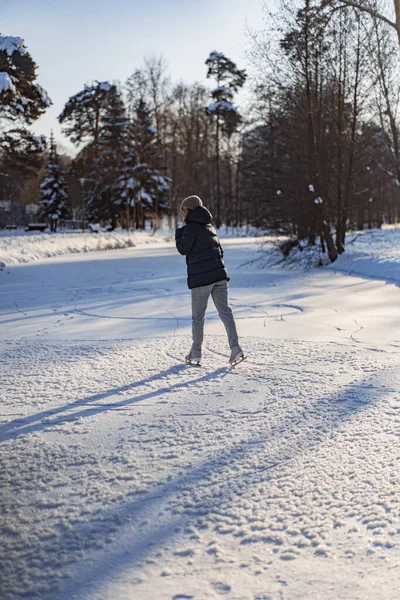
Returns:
point(184, 239)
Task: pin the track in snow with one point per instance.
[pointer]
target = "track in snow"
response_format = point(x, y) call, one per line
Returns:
point(125, 473)
point(148, 466)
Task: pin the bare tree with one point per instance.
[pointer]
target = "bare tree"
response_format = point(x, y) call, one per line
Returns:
point(313, 163)
point(369, 7)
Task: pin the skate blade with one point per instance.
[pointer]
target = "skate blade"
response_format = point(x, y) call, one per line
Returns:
point(237, 362)
point(193, 363)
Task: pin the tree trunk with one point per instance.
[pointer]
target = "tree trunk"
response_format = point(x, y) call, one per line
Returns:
point(339, 161)
point(397, 13)
point(314, 158)
point(349, 181)
point(218, 199)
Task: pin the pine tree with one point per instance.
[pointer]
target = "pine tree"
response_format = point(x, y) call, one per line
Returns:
point(110, 163)
point(83, 113)
point(146, 182)
point(229, 79)
point(21, 154)
point(53, 193)
point(20, 97)
point(22, 101)
point(126, 184)
point(88, 118)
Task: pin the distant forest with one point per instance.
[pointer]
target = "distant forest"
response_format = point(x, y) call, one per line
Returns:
point(315, 152)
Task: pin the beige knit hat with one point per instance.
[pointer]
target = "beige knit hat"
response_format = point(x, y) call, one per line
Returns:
point(191, 202)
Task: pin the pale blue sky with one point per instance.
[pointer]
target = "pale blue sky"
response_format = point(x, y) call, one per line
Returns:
point(77, 41)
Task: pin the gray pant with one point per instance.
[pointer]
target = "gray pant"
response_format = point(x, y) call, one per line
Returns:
point(219, 294)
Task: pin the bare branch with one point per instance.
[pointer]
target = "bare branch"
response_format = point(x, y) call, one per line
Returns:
point(373, 12)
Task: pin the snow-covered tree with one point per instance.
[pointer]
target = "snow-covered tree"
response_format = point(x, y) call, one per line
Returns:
point(21, 152)
point(53, 193)
point(22, 101)
point(21, 157)
point(110, 163)
point(83, 113)
point(229, 79)
point(20, 97)
point(84, 118)
point(145, 183)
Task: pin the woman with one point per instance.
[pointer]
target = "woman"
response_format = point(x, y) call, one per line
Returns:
point(207, 275)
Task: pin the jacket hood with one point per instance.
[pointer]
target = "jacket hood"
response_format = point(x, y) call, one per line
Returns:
point(200, 215)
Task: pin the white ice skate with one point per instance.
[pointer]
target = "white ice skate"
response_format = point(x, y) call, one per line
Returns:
point(193, 358)
point(237, 356)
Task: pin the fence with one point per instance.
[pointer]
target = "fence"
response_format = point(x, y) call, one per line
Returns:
point(19, 215)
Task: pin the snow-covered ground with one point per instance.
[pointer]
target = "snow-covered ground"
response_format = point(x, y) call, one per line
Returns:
point(23, 247)
point(373, 253)
point(126, 474)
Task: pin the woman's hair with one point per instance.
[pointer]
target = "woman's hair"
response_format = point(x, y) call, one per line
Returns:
point(191, 202)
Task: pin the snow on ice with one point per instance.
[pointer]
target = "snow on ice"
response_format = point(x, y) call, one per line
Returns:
point(126, 474)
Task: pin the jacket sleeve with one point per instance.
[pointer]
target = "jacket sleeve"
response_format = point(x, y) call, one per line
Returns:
point(184, 239)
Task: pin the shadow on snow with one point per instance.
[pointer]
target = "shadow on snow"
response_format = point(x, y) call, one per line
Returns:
point(318, 422)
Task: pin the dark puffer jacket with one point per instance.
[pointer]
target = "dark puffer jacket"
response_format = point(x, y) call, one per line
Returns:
point(199, 242)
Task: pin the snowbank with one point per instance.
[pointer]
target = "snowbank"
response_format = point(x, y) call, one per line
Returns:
point(20, 247)
point(373, 254)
